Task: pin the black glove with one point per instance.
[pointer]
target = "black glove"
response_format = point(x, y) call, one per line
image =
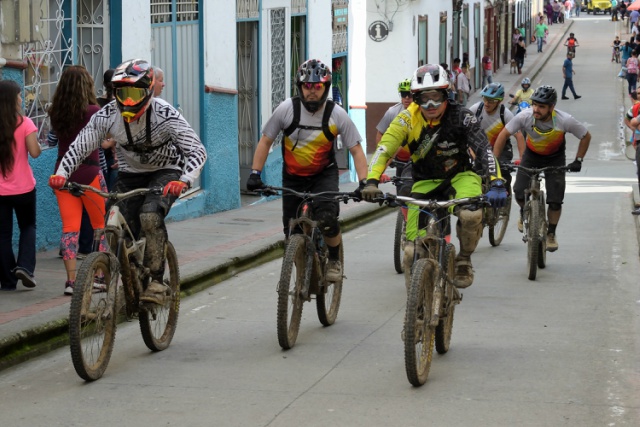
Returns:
point(371, 192)
point(575, 166)
point(254, 182)
point(358, 191)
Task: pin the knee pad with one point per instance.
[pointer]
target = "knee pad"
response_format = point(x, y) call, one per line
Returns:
point(470, 218)
point(150, 221)
point(555, 206)
point(328, 223)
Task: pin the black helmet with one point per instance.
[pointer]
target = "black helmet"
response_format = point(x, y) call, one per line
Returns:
point(545, 95)
point(313, 71)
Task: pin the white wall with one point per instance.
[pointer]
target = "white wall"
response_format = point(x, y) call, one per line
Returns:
point(220, 63)
point(136, 31)
point(320, 30)
point(357, 65)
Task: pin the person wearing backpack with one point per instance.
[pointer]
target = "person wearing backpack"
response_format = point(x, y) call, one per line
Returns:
point(632, 71)
point(311, 124)
point(493, 116)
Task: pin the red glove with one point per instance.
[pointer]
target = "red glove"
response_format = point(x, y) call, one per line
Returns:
point(175, 188)
point(384, 178)
point(57, 182)
point(516, 162)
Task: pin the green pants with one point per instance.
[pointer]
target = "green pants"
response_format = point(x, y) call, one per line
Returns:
point(466, 184)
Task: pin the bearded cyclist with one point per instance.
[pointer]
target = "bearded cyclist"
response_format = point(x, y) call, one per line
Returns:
point(545, 146)
point(311, 123)
point(439, 133)
point(155, 147)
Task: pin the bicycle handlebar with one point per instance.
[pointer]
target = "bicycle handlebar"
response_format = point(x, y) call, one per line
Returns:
point(538, 171)
point(78, 189)
point(338, 195)
point(392, 199)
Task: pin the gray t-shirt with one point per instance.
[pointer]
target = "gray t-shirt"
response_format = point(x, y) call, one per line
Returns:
point(388, 117)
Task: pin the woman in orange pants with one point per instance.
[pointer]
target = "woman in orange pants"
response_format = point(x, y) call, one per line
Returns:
point(74, 103)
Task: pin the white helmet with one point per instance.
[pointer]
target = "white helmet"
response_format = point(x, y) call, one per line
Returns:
point(430, 77)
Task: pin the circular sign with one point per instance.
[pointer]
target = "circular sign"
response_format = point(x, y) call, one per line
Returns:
point(378, 31)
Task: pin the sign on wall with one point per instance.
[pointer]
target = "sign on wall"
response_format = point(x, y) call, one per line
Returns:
point(378, 31)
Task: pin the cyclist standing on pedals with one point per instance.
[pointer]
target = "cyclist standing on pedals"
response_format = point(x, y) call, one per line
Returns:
point(311, 124)
point(545, 146)
point(524, 94)
point(439, 133)
point(155, 147)
point(493, 116)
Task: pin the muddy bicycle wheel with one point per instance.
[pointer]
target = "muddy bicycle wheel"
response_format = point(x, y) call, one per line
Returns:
point(398, 242)
point(158, 322)
point(292, 277)
point(445, 325)
point(329, 296)
point(497, 230)
point(92, 317)
point(418, 334)
point(533, 238)
point(542, 247)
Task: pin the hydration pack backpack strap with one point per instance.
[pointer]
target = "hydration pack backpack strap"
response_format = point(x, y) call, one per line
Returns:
point(481, 108)
point(295, 124)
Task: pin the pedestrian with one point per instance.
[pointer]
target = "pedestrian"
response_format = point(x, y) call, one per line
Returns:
point(567, 9)
point(18, 140)
point(541, 31)
point(73, 105)
point(632, 122)
point(567, 74)
point(487, 67)
point(108, 160)
point(633, 18)
point(622, 8)
point(578, 7)
point(521, 51)
point(549, 12)
point(464, 85)
point(632, 71)
point(159, 85)
point(515, 37)
point(556, 11)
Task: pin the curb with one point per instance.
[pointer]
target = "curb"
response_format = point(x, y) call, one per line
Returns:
point(42, 339)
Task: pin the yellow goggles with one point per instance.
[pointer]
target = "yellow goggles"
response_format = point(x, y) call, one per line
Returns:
point(130, 96)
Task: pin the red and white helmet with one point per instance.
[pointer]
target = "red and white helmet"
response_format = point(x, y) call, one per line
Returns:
point(430, 77)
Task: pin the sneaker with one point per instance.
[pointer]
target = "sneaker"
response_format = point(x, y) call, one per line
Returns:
point(99, 284)
point(636, 211)
point(520, 226)
point(80, 256)
point(552, 243)
point(577, 97)
point(155, 293)
point(334, 271)
point(27, 279)
point(464, 273)
point(68, 287)
point(565, 97)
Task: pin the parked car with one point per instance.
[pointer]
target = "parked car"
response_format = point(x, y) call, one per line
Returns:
point(595, 6)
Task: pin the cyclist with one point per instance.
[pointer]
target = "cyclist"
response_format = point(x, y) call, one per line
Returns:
point(571, 43)
point(439, 133)
point(493, 116)
point(155, 146)
point(524, 94)
point(311, 123)
point(545, 146)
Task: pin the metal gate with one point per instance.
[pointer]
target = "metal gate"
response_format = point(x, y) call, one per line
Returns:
point(175, 47)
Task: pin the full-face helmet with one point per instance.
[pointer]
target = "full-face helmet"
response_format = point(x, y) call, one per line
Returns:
point(313, 71)
point(133, 82)
point(526, 82)
point(429, 78)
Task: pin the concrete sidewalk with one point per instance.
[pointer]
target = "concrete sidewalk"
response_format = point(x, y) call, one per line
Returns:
point(210, 249)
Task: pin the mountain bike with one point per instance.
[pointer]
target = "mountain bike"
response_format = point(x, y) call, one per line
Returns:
point(432, 296)
point(497, 219)
point(534, 219)
point(93, 315)
point(304, 268)
point(399, 236)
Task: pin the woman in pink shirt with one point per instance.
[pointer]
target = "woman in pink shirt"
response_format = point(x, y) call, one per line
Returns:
point(17, 189)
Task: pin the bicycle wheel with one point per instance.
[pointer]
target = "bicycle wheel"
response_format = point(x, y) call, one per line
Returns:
point(92, 318)
point(418, 335)
point(542, 247)
point(398, 242)
point(158, 322)
point(497, 230)
point(445, 325)
point(292, 277)
point(533, 238)
point(328, 298)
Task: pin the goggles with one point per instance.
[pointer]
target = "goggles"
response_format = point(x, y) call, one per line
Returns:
point(405, 94)
point(130, 96)
point(491, 100)
point(431, 99)
point(310, 86)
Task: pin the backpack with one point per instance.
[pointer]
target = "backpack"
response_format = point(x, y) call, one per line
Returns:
point(632, 66)
point(295, 124)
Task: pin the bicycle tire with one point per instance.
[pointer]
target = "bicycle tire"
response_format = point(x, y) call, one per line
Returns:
point(289, 291)
point(533, 238)
point(418, 335)
point(92, 318)
point(158, 323)
point(445, 325)
point(499, 228)
point(542, 247)
point(331, 293)
point(398, 242)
